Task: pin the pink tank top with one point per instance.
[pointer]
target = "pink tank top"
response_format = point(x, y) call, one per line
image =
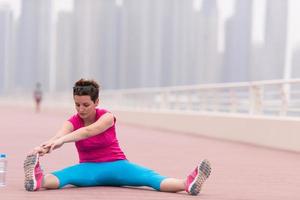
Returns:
point(103, 147)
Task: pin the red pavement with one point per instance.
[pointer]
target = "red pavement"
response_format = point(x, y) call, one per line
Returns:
point(240, 172)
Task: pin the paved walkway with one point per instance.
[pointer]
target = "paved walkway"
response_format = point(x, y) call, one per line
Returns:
point(240, 172)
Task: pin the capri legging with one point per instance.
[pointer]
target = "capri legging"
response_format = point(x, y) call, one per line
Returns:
point(116, 173)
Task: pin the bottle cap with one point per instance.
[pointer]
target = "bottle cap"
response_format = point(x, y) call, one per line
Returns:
point(2, 155)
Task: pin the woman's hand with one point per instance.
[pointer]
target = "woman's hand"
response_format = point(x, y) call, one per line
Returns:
point(40, 150)
point(46, 143)
point(55, 144)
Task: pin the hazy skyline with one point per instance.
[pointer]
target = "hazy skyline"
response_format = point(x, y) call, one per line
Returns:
point(111, 39)
point(226, 9)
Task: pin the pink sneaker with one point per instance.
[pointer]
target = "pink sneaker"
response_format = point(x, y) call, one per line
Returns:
point(33, 173)
point(196, 179)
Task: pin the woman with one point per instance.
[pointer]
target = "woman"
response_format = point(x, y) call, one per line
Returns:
point(102, 162)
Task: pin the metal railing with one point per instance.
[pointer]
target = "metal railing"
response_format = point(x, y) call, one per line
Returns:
point(274, 97)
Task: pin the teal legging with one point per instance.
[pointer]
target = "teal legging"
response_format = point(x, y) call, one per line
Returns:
point(116, 173)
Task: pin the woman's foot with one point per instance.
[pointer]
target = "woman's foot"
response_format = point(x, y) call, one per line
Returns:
point(33, 173)
point(196, 179)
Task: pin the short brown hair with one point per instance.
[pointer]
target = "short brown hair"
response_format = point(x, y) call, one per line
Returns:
point(87, 87)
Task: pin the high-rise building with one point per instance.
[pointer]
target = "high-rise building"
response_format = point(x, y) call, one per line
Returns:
point(238, 43)
point(176, 42)
point(109, 44)
point(186, 54)
point(6, 44)
point(168, 42)
point(257, 62)
point(131, 24)
point(87, 39)
point(152, 32)
point(95, 41)
point(34, 44)
point(275, 39)
point(208, 57)
point(64, 52)
point(296, 64)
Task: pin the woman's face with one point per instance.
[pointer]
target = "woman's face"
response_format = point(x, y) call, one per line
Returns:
point(85, 106)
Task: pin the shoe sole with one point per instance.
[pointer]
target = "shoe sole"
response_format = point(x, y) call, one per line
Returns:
point(204, 170)
point(30, 162)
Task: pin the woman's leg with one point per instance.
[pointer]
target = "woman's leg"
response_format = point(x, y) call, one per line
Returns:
point(117, 173)
point(81, 175)
point(78, 175)
point(167, 185)
point(125, 173)
point(172, 185)
point(50, 182)
point(135, 175)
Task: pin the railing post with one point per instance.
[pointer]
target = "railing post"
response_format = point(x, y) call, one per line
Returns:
point(189, 105)
point(164, 97)
point(256, 93)
point(215, 100)
point(233, 101)
point(176, 99)
point(284, 95)
point(201, 100)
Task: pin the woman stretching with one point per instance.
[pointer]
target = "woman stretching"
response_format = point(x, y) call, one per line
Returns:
point(102, 162)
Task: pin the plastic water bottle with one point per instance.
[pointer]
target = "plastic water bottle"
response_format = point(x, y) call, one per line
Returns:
point(3, 166)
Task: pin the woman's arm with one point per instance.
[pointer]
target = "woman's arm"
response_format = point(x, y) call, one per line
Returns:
point(66, 128)
point(102, 124)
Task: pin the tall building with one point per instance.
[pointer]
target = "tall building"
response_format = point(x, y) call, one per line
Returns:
point(275, 39)
point(6, 44)
point(95, 44)
point(109, 44)
point(238, 43)
point(257, 62)
point(182, 42)
point(208, 58)
point(296, 64)
point(118, 48)
point(34, 44)
point(152, 32)
point(64, 52)
point(87, 40)
point(168, 42)
point(131, 43)
point(189, 43)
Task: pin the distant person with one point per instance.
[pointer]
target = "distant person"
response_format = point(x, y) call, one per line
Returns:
point(101, 160)
point(37, 95)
